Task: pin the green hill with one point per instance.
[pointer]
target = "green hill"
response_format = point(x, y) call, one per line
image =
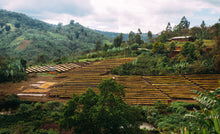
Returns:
point(22, 36)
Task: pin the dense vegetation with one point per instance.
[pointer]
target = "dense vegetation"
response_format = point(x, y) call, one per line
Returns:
point(12, 70)
point(29, 117)
point(30, 38)
point(163, 59)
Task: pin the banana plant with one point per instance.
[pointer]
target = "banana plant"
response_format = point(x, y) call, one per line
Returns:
point(208, 119)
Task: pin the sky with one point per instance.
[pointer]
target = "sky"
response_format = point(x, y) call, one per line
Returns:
point(119, 15)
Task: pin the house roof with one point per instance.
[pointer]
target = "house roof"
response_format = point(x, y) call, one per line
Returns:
point(180, 37)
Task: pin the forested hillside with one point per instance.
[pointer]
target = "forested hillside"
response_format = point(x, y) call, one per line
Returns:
point(22, 36)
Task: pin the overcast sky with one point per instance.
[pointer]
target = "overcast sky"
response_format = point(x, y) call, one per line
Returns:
point(119, 15)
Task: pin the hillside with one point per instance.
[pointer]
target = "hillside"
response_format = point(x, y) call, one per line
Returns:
point(22, 36)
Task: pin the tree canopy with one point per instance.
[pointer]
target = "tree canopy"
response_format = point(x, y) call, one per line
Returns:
point(103, 113)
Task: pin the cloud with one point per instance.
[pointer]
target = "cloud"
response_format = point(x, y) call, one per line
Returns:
point(74, 7)
point(118, 15)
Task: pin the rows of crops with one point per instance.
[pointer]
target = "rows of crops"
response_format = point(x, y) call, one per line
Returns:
point(81, 79)
point(176, 87)
point(206, 81)
point(140, 90)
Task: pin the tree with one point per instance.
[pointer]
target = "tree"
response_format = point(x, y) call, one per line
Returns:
point(105, 47)
point(23, 63)
point(172, 46)
point(169, 28)
point(162, 37)
point(103, 113)
point(17, 25)
point(196, 32)
point(188, 50)
point(203, 25)
point(183, 27)
point(7, 28)
point(42, 58)
point(149, 35)
point(71, 22)
point(118, 40)
point(111, 86)
point(131, 38)
point(158, 47)
point(139, 31)
point(184, 23)
point(98, 45)
point(138, 39)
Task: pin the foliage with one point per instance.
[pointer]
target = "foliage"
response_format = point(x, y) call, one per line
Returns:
point(126, 36)
point(12, 70)
point(158, 47)
point(26, 37)
point(103, 113)
point(10, 102)
point(183, 29)
point(191, 59)
point(118, 40)
point(30, 117)
point(207, 120)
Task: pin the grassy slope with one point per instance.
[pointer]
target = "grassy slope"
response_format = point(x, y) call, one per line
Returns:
point(35, 37)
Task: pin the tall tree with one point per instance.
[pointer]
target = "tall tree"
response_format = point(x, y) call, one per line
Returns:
point(98, 45)
point(139, 31)
point(183, 27)
point(131, 38)
point(138, 39)
point(149, 35)
point(203, 25)
point(169, 28)
point(118, 40)
point(203, 30)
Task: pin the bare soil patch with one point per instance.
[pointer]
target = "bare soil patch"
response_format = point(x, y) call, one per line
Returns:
point(24, 44)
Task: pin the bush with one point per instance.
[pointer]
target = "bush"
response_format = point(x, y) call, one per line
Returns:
point(6, 131)
point(10, 102)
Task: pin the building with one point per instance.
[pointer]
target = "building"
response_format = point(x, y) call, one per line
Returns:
point(181, 38)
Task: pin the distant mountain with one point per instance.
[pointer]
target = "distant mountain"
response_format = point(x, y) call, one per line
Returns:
point(112, 35)
point(22, 36)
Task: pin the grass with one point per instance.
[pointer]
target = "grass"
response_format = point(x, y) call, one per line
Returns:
point(209, 42)
point(45, 75)
point(90, 59)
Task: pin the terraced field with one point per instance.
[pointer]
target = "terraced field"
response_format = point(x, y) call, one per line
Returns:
point(176, 87)
point(206, 81)
point(79, 80)
point(140, 90)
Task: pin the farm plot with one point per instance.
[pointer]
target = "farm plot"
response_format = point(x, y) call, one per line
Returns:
point(138, 92)
point(80, 80)
point(176, 87)
point(206, 81)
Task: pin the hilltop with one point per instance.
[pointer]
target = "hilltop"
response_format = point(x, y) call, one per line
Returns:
point(23, 36)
